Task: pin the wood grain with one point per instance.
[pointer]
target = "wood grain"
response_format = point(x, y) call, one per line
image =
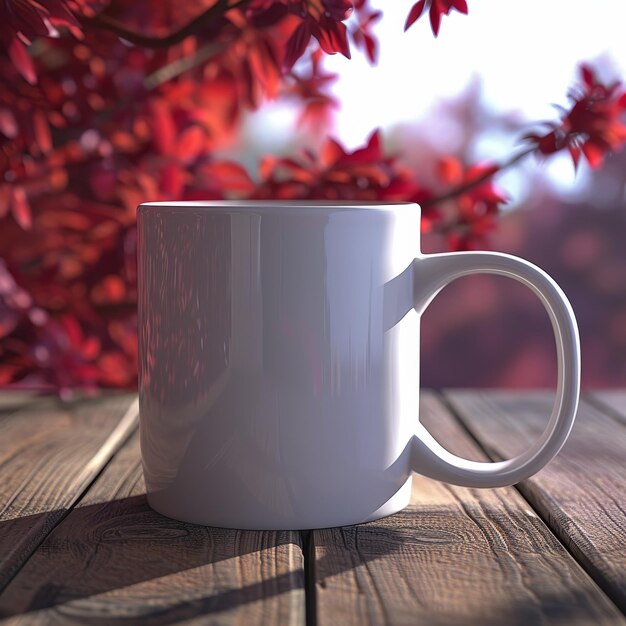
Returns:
point(113, 559)
point(49, 454)
point(11, 400)
point(611, 401)
point(582, 493)
point(455, 556)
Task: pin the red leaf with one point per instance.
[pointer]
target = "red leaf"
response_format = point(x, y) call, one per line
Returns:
point(331, 152)
point(297, 43)
point(547, 144)
point(8, 125)
point(6, 196)
point(163, 127)
point(90, 349)
point(449, 170)
point(110, 290)
point(267, 166)
point(172, 181)
point(21, 209)
point(371, 48)
point(41, 129)
point(374, 145)
point(460, 6)
point(587, 75)
point(414, 14)
point(73, 331)
point(230, 176)
point(116, 369)
point(480, 170)
point(332, 36)
point(435, 18)
point(22, 61)
point(190, 144)
point(60, 13)
point(593, 154)
point(373, 17)
point(370, 154)
point(575, 154)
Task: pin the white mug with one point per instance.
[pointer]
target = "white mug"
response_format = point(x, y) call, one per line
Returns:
point(279, 361)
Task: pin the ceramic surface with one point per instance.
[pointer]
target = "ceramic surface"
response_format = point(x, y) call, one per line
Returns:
point(279, 362)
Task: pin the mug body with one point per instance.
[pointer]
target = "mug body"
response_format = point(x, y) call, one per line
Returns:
point(275, 393)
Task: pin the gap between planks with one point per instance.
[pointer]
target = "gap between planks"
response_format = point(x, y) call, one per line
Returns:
point(114, 560)
point(454, 556)
point(445, 400)
point(308, 561)
point(570, 525)
point(117, 438)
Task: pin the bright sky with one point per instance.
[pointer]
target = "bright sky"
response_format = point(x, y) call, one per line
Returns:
point(524, 54)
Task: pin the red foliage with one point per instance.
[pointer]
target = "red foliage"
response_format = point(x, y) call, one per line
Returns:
point(22, 21)
point(335, 174)
point(91, 125)
point(477, 202)
point(594, 124)
point(322, 19)
point(361, 34)
point(310, 92)
point(436, 8)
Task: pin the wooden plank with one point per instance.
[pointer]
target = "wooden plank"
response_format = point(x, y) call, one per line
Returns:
point(454, 556)
point(611, 401)
point(49, 453)
point(10, 400)
point(582, 493)
point(113, 558)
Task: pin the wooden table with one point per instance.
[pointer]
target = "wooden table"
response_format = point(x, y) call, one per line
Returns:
point(79, 545)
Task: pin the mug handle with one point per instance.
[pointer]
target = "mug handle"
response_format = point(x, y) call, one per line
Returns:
point(433, 272)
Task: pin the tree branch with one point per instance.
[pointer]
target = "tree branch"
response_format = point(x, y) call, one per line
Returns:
point(104, 22)
point(468, 186)
point(180, 66)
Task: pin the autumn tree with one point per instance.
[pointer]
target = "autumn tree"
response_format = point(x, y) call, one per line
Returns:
point(106, 104)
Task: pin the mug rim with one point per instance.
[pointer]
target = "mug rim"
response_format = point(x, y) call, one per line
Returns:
point(277, 205)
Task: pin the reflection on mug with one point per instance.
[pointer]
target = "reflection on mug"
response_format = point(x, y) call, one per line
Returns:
point(185, 329)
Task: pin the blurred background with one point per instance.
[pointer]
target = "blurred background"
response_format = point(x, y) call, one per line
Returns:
point(120, 132)
point(473, 92)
